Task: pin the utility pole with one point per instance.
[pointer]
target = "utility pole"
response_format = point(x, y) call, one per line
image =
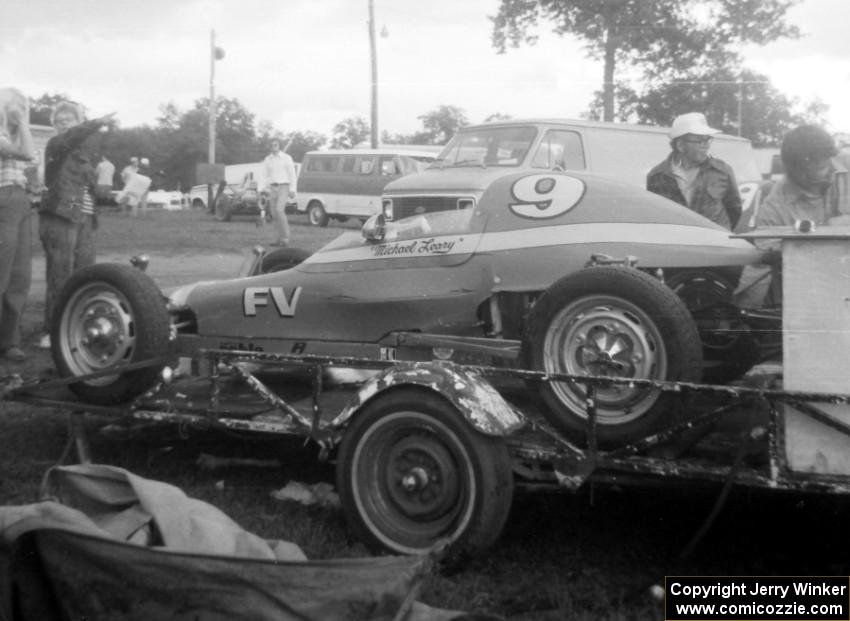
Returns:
point(740, 105)
point(211, 112)
point(374, 55)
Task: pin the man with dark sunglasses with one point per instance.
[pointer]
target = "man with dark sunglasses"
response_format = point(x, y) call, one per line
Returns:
point(693, 178)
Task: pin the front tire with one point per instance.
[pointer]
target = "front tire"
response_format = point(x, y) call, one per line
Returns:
point(618, 322)
point(108, 315)
point(282, 259)
point(316, 214)
point(412, 472)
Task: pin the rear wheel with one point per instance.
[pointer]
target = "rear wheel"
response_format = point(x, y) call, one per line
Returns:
point(316, 214)
point(616, 322)
point(109, 315)
point(412, 472)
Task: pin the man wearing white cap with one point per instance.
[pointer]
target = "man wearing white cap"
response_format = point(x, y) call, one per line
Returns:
point(691, 177)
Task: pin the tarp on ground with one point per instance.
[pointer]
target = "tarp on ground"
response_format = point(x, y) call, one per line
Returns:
point(112, 545)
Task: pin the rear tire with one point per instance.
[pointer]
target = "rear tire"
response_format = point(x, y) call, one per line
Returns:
point(618, 322)
point(108, 315)
point(316, 214)
point(411, 472)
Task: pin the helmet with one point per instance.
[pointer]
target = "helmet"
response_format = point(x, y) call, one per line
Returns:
point(691, 123)
point(804, 143)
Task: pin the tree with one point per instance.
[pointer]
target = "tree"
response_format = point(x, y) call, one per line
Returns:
point(41, 108)
point(440, 125)
point(661, 36)
point(350, 132)
point(298, 143)
point(766, 114)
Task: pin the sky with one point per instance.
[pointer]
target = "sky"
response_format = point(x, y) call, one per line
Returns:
point(304, 65)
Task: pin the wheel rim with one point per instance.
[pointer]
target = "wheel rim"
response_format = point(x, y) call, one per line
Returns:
point(611, 337)
point(97, 331)
point(412, 482)
point(316, 214)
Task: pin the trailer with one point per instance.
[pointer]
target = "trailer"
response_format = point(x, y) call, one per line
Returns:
point(432, 450)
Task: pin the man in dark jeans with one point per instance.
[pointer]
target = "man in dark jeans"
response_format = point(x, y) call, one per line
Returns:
point(691, 177)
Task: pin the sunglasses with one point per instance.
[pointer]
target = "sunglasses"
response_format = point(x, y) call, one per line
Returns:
point(699, 140)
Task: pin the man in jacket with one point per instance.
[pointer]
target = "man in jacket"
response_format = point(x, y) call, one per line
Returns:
point(691, 177)
point(66, 213)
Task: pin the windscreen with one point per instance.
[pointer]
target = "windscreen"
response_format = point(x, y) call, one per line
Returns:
point(487, 146)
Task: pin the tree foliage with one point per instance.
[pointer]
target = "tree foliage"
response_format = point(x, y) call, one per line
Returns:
point(439, 125)
point(350, 132)
point(662, 38)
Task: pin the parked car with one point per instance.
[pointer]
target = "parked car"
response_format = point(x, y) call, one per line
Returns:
point(165, 199)
point(342, 184)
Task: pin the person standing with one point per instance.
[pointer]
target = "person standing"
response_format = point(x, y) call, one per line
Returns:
point(105, 171)
point(129, 170)
point(693, 178)
point(67, 218)
point(281, 182)
point(815, 189)
point(16, 150)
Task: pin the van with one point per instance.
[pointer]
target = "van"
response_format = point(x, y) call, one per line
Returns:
point(622, 151)
point(342, 184)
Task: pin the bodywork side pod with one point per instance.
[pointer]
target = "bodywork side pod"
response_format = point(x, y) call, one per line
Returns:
point(476, 399)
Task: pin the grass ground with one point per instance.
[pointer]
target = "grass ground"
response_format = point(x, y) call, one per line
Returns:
point(588, 556)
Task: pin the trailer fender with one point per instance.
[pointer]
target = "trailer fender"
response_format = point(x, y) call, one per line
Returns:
point(474, 397)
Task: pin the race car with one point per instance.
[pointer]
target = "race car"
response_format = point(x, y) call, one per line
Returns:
point(553, 271)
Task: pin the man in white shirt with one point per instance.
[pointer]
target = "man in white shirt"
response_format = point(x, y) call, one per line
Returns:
point(281, 182)
point(105, 171)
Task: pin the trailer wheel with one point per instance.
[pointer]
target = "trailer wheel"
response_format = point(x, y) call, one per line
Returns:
point(728, 347)
point(108, 315)
point(618, 322)
point(282, 259)
point(412, 472)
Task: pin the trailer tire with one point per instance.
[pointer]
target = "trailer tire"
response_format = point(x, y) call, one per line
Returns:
point(108, 315)
point(411, 472)
point(613, 321)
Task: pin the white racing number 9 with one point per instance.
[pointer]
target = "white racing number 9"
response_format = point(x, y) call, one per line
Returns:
point(545, 196)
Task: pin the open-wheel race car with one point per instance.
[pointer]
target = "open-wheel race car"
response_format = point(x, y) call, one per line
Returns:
point(548, 274)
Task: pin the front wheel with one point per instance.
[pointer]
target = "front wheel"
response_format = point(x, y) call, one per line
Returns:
point(616, 322)
point(109, 315)
point(316, 214)
point(282, 259)
point(412, 472)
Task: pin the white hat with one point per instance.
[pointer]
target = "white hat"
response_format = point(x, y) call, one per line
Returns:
point(691, 123)
point(145, 162)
